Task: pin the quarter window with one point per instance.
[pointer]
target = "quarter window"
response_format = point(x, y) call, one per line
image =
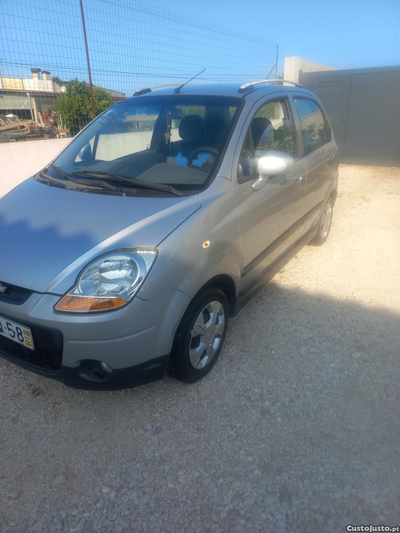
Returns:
point(270, 129)
point(312, 122)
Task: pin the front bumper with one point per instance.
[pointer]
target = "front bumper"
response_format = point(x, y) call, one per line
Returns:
point(121, 378)
point(135, 341)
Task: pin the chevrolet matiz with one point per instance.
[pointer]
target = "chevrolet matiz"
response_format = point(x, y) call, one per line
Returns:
point(125, 257)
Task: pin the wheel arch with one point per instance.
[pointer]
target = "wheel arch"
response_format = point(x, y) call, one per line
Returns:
point(333, 195)
point(227, 284)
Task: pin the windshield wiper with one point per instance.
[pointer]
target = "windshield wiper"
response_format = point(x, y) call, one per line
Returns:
point(93, 185)
point(63, 174)
point(132, 182)
point(99, 183)
point(90, 183)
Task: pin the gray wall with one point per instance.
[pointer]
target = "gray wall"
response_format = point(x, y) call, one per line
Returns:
point(363, 106)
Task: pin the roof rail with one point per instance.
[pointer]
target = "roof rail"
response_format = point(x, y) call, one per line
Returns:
point(163, 86)
point(249, 86)
point(142, 91)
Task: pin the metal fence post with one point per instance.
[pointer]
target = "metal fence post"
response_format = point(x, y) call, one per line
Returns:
point(88, 62)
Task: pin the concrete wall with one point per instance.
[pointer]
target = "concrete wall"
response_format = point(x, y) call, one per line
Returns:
point(110, 147)
point(20, 160)
point(295, 64)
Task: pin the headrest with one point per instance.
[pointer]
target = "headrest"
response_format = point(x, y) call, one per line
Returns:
point(191, 128)
point(258, 126)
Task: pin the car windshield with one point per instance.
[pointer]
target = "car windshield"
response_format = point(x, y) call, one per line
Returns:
point(172, 140)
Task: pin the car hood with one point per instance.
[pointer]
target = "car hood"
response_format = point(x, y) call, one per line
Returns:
point(49, 234)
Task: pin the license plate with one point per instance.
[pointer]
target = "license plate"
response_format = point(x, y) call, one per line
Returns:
point(16, 332)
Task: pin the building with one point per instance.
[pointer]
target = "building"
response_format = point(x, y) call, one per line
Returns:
point(33, 98)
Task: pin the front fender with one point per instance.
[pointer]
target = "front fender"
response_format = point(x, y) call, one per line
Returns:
point(183, 263)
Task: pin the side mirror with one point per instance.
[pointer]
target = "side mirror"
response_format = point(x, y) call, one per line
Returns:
point(271, 164)
point(274, 163)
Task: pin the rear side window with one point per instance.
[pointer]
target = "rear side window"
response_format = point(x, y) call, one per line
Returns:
point(313, 126)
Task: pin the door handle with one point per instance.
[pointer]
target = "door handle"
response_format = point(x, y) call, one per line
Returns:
point(298, 179)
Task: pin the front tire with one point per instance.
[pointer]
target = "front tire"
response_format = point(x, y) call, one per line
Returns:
point(324, 225)
point(200, 336)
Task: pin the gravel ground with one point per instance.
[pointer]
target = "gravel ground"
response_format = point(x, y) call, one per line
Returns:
point(295, 430)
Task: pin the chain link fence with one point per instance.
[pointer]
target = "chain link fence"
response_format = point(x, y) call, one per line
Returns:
point(44, 81)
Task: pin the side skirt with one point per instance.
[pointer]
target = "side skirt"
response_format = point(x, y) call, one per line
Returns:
point(266, 276)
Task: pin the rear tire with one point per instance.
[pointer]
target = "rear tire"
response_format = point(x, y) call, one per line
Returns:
point(200, 336)
point(324, 224)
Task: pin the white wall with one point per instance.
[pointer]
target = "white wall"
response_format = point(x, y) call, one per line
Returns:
point(20, 160)
point(34, 84)
point(111, 147)
point(294, 64)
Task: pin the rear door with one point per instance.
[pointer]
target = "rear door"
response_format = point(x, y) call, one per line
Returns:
point(270, 218)
point(319, 153)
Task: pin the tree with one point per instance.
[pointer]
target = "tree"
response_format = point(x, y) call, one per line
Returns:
point(74, 105)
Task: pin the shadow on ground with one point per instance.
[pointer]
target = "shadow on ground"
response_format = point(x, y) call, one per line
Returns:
point(296, 429)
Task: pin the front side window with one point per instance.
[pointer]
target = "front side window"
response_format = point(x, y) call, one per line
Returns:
point(312, 122)
point(167, 140)
point(270, 129)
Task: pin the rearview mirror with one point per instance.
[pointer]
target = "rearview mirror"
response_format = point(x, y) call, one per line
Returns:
point(274, 163)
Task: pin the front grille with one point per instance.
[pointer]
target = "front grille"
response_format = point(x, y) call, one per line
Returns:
point(13, 294)
point(46, 356)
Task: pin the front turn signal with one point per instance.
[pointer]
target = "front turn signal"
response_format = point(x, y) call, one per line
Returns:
point(81, 304)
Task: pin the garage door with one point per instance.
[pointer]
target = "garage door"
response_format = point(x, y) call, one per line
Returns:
point(363, 106)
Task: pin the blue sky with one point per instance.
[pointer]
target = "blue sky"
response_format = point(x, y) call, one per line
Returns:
point(340, 33)
point(134, 44)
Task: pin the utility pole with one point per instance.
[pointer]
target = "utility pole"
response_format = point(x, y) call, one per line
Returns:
point(276, 63)
point(88, 62)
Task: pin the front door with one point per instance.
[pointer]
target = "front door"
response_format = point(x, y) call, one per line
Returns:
point(270, 218)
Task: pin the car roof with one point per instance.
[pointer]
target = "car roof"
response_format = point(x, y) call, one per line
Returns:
point(218, 89)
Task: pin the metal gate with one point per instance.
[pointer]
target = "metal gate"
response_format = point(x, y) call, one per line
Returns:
point(363, 106)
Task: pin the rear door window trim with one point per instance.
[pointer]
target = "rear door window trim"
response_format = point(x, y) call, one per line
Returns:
point(328, 130)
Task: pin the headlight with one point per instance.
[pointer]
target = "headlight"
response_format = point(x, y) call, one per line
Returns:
point(108, 282)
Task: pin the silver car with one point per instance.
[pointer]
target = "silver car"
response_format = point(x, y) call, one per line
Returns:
point(126, 256)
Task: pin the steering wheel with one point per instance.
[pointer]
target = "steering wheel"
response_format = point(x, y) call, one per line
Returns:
point(201, 150)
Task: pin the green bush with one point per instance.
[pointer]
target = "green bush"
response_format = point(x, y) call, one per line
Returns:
point(74, 105)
